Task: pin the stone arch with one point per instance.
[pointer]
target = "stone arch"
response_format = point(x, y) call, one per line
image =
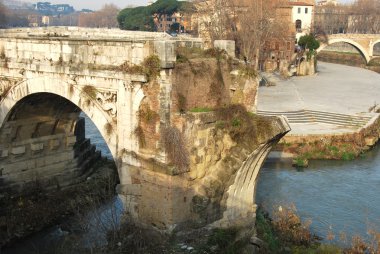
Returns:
point(364, 53)
point(71, 92)
point(372, 48)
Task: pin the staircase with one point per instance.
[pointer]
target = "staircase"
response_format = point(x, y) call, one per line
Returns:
point(312, 116)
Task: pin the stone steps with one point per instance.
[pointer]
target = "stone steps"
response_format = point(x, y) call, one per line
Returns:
point(313, 116)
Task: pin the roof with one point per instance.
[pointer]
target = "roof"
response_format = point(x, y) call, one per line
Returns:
point(300, 4)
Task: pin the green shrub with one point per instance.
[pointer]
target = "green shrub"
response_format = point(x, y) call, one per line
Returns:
point(348, 156)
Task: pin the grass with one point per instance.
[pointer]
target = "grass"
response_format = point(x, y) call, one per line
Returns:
point(201, 110)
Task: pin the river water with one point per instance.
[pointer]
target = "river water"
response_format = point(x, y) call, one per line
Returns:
point(341, 196)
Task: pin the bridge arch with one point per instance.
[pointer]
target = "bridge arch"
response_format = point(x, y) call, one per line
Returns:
point(372, 48)
point(364, 52)
point(71, 92)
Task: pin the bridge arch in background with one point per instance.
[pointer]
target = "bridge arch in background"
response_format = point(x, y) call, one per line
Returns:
point(372, 53)
point(362, 51)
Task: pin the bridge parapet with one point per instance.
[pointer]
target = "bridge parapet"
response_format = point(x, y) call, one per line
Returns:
point(110, 47)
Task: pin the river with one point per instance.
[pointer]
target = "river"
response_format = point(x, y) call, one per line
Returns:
point(341, 196)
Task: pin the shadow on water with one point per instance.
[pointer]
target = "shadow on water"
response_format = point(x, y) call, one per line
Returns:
point(338, 196)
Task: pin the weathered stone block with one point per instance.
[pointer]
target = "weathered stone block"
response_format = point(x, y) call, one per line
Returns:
point(370, 141)
point(4, 153)
point(18, 150)
point(54, 144)
point(37, 147)
point(165, 50)
point(129, 189)
point(70, 141)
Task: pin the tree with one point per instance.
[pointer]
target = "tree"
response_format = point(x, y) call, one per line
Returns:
point(252, 24)
point(3, 12)
point(364, 17)
point(308, 42)
point(142, 18)
point(136, 19)
point(105, 17)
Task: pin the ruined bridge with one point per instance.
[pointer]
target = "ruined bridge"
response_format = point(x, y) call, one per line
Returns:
point(49, 75)
point(365, 43)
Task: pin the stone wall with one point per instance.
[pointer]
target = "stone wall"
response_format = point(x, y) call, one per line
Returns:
point(168, 197)
point(47, 161)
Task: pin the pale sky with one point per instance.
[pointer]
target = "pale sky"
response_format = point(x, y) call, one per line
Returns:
point(97, 4)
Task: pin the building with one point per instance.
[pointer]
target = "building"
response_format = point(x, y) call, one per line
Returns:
point(174, 23)
point(302, 17)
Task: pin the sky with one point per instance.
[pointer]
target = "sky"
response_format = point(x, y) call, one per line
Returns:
point(97, 4)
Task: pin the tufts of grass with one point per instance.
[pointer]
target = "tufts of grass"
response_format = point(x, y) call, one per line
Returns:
point(201, 110)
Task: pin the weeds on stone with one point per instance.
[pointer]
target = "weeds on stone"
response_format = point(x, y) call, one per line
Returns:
point(146, 115)
point(150, 67)
point(90, 91)
point(185, 53)
point(108, 129)
point(139, 133)
point(175, 148)
point(242, 125)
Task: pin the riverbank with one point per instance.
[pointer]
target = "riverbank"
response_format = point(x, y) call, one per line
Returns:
point(330, 146)
point(349, 58)
point(287, 233)
point(36, 208)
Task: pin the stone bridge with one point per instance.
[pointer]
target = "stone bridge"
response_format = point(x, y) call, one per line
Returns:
point(49, 75)
point(365, 43)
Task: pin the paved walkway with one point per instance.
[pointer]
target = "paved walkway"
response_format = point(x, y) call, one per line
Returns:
point(335, 88)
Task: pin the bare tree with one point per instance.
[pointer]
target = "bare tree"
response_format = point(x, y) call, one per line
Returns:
point(105, 17)
point(250, 23)
point(364, 17)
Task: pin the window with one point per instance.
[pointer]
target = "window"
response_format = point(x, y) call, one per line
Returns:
point(299, 9)
point(298, 25)
point(306, 10)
